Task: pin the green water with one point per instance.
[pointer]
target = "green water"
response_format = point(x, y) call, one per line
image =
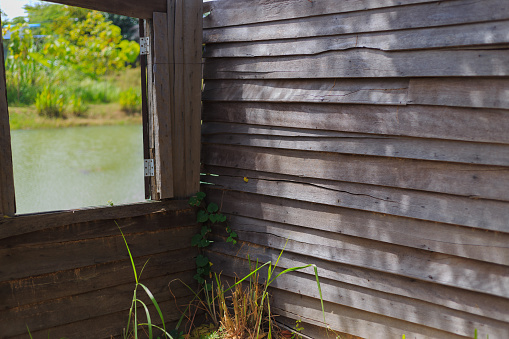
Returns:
point(70, 168)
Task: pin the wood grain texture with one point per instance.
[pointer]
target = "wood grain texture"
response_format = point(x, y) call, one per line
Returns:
point(365, 299)
point(235, 12)
point(162, 114)
point(7, 200)
point(432, 14)
point(493, 93)
point(450, 297)
point(464, 242)
point(355, 143)
point(193, 32)
point(488, 182)
point(486, 33)
point(363, 63)
point(132, 8)
point(450, 209)
point(357, 91)
point(31, 223)
point(465, 124)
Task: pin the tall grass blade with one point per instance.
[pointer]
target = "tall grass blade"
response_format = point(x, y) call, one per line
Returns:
point(151, 296)
point(319, 291)
point(149, 321)
point(130, 255)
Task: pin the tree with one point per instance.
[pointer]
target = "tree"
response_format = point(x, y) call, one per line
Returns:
point(128, 26)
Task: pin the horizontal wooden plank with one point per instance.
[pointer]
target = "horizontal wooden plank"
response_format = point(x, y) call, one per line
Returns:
point(101, 228)
point(493, 93)
point(75, 308)
point(453, 240)
point(35, 222)
point(358, 91)
point(235, 12)
point(25, 261)
point(365, 299)
point(466, 124)
point(450, 297)
point(346, 319)
point(355, 143)
point(363, 63)
point(485, 33)
point(476, 213)
point(475, 181)
point(35, 289)
point(433, 14)
point(132, 8)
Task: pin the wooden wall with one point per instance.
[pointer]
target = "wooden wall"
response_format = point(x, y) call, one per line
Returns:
point(373, 135)
point(68, 274)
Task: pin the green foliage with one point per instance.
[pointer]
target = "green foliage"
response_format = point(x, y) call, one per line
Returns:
point(208, 215)
point(130, 101)
point(128, 26)
point(50, 103)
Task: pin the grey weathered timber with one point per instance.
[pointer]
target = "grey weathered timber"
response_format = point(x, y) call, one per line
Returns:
point(489, 182)
point(450, 209)
point(358, 91)
point(465, 124)
point(365, 299)
point(432, 14)
point(450, 297)
point(235, 12)
point(132, 8)
point(162, 124)
point(192, 53)
point(493, 93)
point(464, 242)
point(356, 143)
point(485, 33)
point(7, 200)
point(364, 63)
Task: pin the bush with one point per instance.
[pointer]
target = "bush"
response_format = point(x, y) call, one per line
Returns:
point(50, 103)
point(130, 101)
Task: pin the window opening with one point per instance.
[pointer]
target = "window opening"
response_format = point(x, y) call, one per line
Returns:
point(74, 94)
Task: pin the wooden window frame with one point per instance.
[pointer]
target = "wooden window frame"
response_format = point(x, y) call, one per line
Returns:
point(172, 97)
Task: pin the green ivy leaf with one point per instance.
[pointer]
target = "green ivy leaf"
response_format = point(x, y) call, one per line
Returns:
point(204, 243)
point(208, 287)
point(193, 201)
point(221, 217)
point(233, 234)
point(202, 260)
point(195, 240)
point(201, 195)
point(199, 278)
point(212, 208)
point(204, 230)
point(213, 218)
point(200, 271)
point(202, 216)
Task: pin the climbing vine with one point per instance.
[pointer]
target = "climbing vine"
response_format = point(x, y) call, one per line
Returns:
point(207, 215)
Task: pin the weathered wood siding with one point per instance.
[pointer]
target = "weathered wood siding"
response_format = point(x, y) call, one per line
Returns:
point(374, 137)
point(68, 274)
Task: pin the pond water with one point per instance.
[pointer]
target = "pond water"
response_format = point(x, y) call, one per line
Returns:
point(70, 168)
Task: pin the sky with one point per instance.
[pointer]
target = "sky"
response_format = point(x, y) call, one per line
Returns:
point(14, 8)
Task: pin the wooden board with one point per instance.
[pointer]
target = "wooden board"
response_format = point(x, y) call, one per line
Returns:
point(486, 33)
point(471, 92)
point(7, 200)
point(363, 63)
point(450, 209)
point(365, 299)
point(193, 32)
point(466, 124)
point(474, 181)
point(464, 242)
point(132, 8)
point(357, 91)
point(450, 297)
point(235, 12)
point(10, 227)
point(432, 14)
point(355, 143)
point(162, 115)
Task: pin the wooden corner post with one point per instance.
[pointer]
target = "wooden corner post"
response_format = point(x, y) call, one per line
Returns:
point(7, 201)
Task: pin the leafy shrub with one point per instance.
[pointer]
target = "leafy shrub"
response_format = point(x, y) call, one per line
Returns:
point(130, 101)
point(77, 106)
point(50, 103)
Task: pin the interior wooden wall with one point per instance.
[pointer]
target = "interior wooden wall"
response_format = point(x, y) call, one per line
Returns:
point(373, 135)
point(69, 275)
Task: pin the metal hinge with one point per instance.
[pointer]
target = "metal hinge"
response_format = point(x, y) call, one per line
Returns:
point(145, 46)
point(149, 167)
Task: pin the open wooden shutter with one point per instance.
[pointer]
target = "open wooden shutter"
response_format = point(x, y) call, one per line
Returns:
point(174, 96)
point(7, 201)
